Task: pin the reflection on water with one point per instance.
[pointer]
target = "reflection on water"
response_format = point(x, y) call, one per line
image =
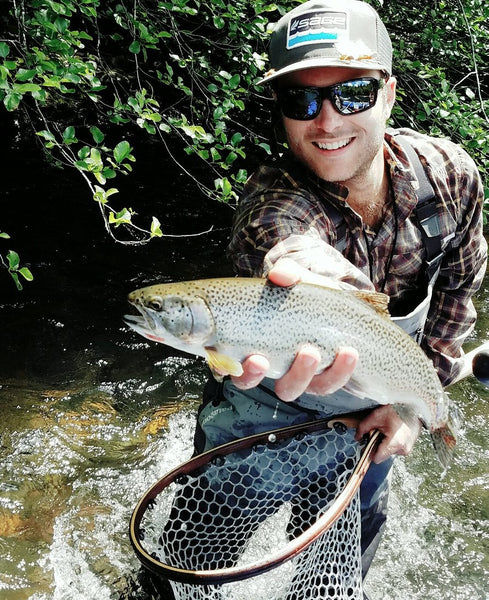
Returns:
point(73, 466)
point(75, 462)
point(92, 416)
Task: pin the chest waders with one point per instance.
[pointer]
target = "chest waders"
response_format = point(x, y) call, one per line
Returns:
point(228, 413)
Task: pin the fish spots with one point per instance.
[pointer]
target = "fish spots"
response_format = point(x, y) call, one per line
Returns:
point(238, 317)
point(176, 316)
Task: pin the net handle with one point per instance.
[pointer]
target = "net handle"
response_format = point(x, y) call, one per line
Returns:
point(292, 548)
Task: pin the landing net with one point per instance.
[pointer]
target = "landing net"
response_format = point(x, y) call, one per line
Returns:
point(243, 509)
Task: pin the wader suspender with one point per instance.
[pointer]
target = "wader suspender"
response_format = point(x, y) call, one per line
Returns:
point(426, 213)
point(425, 210)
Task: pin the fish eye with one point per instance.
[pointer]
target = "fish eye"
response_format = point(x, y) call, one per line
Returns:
point(154, 303)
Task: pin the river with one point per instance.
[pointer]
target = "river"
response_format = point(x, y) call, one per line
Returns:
point(92, 414)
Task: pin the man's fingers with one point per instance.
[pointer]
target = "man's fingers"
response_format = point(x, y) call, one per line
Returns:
point(286, 272)
point(337, 375)
point(399, 435)
point(296, 380)
point(254, 369)
point(301, 376)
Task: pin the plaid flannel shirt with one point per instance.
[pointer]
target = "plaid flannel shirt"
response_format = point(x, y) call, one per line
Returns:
point(284, 212)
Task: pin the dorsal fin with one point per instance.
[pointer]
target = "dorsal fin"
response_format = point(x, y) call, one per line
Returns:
point(377, 300)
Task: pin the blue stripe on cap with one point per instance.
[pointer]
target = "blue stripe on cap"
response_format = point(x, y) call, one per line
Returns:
point(311, 37)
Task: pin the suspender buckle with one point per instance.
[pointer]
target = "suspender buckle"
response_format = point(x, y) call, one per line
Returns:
point(433, 267)
point(431, 225)
point(435, 261)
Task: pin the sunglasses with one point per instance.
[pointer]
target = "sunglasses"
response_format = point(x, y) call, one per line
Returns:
point(348, 98)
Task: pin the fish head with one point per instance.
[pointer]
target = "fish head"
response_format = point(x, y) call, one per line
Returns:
point(177, 319)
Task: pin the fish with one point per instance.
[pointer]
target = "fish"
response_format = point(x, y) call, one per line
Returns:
point(226, 320)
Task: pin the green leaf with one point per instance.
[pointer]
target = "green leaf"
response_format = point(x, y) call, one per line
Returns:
point(12, 101)
point(84, 152)
point(122, 151)
point(69, 135)
point(100, 177)
point(120, 218)
point(236, 139)
point(234, 81)
point(61, 24)
point(16, 279)
point(47, 135)
point(4, 49)
point(100, 195)
point(109, 173)
point(83, 35)
point(23, 88)
point(97, 135)
point(96, 158)
point(39, 95)
point(111, 191)
point(225, 186)
point(4, 235)
point(25, 74)
point(241, 176)
point(155, 228)
point(135, 47)
point(231, 157)
point(13, 260)
point(26, 273)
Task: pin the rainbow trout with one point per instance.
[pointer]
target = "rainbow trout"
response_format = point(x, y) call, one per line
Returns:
point(226, 320)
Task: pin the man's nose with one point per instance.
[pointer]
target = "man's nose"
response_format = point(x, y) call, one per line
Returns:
point(329, 118)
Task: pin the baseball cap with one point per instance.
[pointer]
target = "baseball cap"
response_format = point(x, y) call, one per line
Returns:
point(329, 33)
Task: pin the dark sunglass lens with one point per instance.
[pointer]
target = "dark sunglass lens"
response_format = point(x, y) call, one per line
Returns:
point(355, 96)
point(301, 104)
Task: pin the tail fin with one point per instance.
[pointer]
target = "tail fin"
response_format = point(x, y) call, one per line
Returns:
point(444, 440)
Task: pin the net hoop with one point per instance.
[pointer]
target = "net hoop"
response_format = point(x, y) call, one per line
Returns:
point(289, 550)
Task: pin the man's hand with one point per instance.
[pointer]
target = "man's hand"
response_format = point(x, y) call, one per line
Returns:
point(399, 435)
point(301, 376)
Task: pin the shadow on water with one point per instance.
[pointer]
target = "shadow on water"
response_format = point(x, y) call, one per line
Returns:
point(92, 414)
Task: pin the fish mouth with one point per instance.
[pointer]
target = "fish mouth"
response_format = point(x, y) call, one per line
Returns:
point(143, 324)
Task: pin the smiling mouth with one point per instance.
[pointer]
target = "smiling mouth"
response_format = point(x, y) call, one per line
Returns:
point(333, 145)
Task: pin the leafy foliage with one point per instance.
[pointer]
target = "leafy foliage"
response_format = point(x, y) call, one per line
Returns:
point(94, 78)
point(441, 52)
point(12, 264)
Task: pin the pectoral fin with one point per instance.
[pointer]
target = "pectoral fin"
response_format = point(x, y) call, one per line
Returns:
point(222, 365)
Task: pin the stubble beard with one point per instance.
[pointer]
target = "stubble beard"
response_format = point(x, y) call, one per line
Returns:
point(358, 171)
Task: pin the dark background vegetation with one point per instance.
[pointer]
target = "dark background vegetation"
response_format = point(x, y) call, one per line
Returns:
point(139, 108)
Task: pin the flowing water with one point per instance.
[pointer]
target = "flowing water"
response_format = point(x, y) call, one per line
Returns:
point(92, 415)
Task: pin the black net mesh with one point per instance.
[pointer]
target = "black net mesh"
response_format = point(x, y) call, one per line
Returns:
point(251, 504)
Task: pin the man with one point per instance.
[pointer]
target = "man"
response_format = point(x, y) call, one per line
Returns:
point(343, 205)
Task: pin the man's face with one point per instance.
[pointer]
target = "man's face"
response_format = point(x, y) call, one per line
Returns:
point(339, 148)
